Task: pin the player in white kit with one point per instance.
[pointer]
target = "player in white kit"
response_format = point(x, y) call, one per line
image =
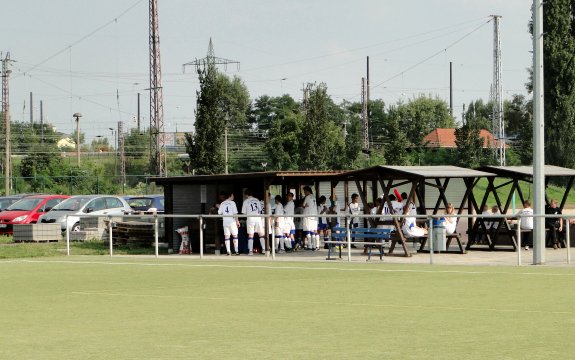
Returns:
point(231, 223)
point(280, 227)
point(252, 206)
point(310, 222)
point(289, 210)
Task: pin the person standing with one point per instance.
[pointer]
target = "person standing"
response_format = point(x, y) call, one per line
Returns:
point(279, 225)
point(289, 211)
point(554, 224)
point(310, 222)
point(230, 223)
point(525, 216)
point(323, 227)
point(252, 206)
point(354, 209)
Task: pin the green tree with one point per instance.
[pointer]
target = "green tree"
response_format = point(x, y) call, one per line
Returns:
point(221, 103)
point(469, 146)
point(284, 142)
point(397, 141)
point(559, 67)
point(265, 110)
point(419, 116)
point(322, 139)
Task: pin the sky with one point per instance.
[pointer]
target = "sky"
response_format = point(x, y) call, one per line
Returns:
point(92, 56)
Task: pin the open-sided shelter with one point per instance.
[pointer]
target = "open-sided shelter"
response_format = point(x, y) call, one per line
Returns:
point(419, 179)
point(501, 236)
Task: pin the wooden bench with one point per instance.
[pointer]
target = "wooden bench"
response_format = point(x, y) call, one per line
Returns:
point(369, 237)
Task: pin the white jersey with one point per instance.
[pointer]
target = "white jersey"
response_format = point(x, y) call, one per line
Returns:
point(354, 209)
point(251, 206)
point(228, 207)
point(289, 209)
point(280, 220)
point(397, 207)
point(309, 205)
point(322, 208)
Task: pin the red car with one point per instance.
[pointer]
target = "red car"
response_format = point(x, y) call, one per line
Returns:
point(27, 211)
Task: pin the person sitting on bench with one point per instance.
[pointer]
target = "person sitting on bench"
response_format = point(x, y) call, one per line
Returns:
point(410, 228)
point(450, 222)
point(554, 225)
point(526, 222)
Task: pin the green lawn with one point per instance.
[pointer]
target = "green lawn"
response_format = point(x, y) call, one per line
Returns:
point(121, 308)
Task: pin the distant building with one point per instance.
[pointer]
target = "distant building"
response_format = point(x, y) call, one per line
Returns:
point(66, 143)
point(445, 138)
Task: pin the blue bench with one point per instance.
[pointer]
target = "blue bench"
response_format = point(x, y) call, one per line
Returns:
point(369, 237)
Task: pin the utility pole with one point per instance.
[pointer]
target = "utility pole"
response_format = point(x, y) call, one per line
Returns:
point(367, 109)
point(538, 136)
point(204, 65)
point(157, 141)
point(78, 116)
point(41, 122)
point(31, 109)
point(365, 125)
point(498, 121)
point(6, 111)
point(138, 120)
point(122, 151)
point(451, 88)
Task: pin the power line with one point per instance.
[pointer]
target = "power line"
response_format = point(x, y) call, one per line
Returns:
point(90, 34)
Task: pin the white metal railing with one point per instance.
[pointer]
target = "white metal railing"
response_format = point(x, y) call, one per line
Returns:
point(347, 218)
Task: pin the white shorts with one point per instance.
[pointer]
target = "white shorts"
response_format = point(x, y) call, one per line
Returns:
point(310, 224)
point(230, 229)
point(413, 231)
point(254, 225)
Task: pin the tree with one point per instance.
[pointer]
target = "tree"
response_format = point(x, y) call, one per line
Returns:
point(265, 110)
point(559, 67)
point(479, 114)
point(284, 142)
point(321, 140)
point(397, 142)
point(221, 103)
point(422, 115)
point(469, 146)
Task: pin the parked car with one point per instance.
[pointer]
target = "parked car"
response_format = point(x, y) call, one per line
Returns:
point(27, 211)
point(146, 203)
point(6, 201)
point(84, 204)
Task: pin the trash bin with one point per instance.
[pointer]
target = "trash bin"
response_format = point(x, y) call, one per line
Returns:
point(439, 235)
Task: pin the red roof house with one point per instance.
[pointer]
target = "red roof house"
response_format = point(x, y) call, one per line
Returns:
point(445, 138)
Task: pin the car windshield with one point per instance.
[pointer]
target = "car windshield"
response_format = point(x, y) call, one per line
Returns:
point(72, 204)
point(24, 205)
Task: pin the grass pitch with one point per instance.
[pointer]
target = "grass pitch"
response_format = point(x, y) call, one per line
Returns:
point(123, 308)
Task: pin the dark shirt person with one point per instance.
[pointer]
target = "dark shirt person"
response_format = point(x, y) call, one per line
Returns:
point(554, 225)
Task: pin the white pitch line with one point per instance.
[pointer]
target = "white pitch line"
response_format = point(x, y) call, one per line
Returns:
point(279, 267)
point(363, 305)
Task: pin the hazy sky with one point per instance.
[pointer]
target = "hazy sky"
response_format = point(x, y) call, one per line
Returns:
point(92, 56)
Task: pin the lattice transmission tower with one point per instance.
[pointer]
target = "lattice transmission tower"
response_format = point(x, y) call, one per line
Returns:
point(6, 112)
point(498, 121)
point(157, 140)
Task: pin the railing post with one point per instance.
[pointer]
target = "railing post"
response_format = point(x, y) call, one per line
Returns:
point(430, 239)
point(156, 240)
point(567, 240)
point(519, 241)
point(348, 237)
point(201, 221)
point(110, 235)
point(273, 245)
point(67, 238)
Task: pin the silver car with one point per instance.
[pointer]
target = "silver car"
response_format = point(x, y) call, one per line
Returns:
point(84, 204)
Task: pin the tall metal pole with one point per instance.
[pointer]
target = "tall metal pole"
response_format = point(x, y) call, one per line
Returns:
point(138, 120)
point(367, 102)
point(78, 116)
point(451, 88)
point(41, 122)
point(31, 109)
point(498, 121)
point(538, 136)
point(6, 111)
point(158, 163)
point(226, 147)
